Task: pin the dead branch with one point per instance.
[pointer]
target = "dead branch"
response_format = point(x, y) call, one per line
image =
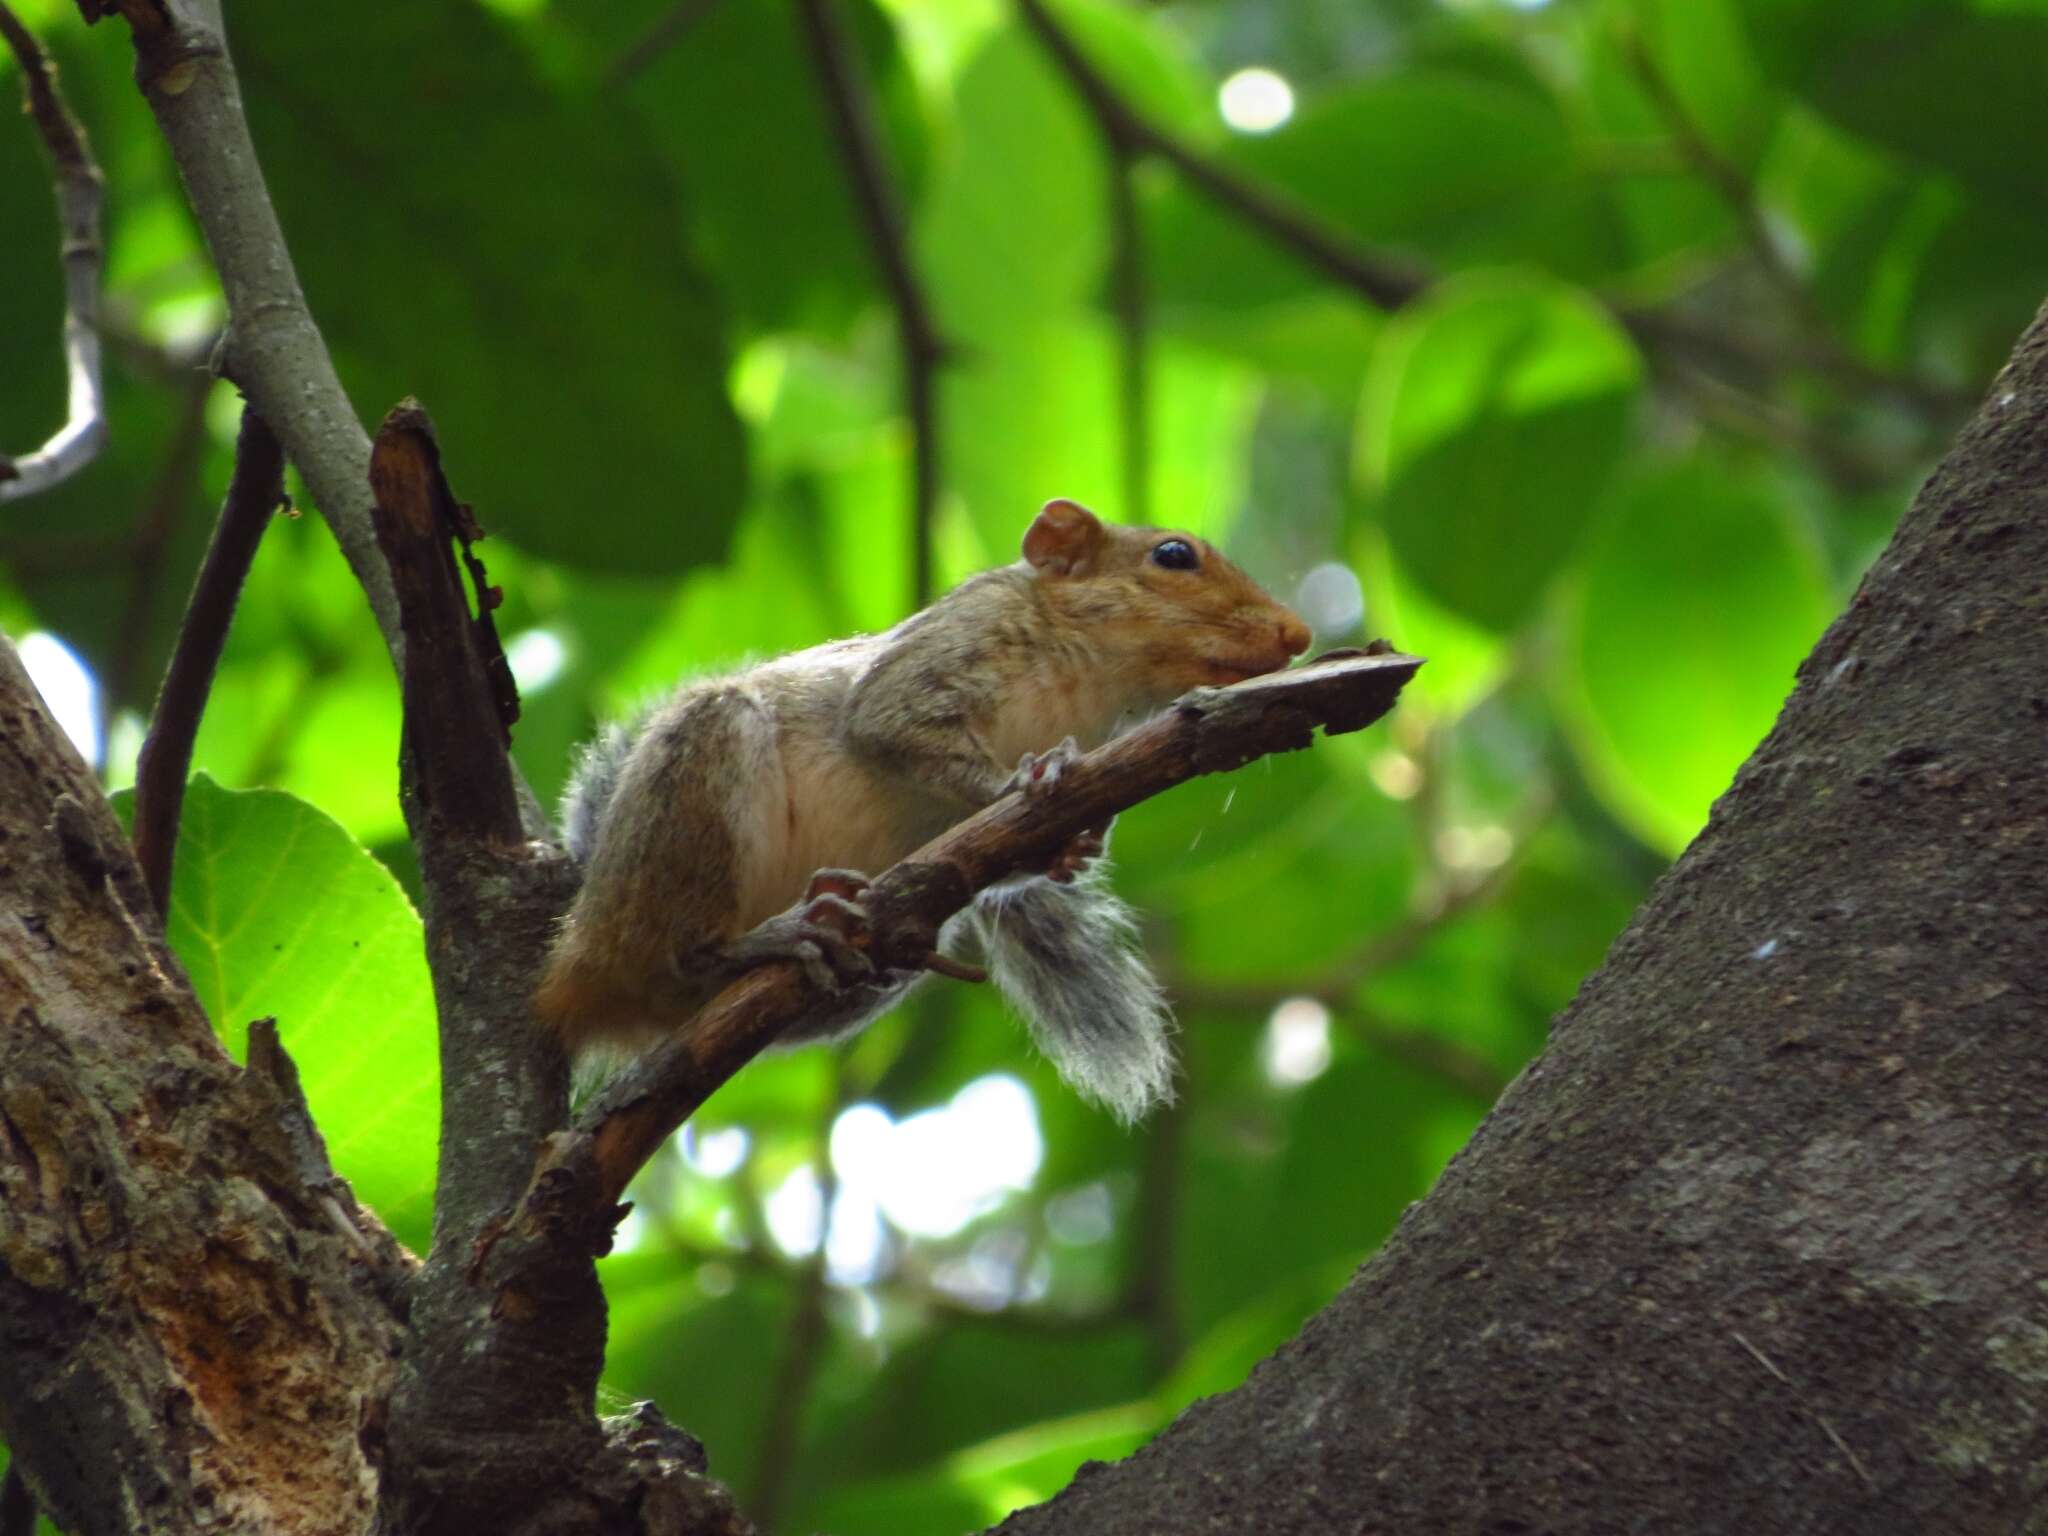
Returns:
point(256, 491)
point(80, 193)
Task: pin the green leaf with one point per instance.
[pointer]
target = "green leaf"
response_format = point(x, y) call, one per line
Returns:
point(277, 912)
point(1699, 601)
point(1039, 419)
point(525, 277)
point(1495, 412)
point(788, 247)
point(1948, 84)
point(1015, 227)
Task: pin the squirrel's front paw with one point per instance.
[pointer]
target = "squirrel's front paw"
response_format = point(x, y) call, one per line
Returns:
point(825, 933)
point(1038, 772)
point(1083, 849)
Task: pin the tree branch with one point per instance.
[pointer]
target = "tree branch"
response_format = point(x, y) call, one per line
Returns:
point(17, 1504)
point(661, 35)
point(881, 212)
point(272, 349)
point(1827, 352)
point(1384, 283)
point(1129, 298)
point(256, 490)
point(80, 191)
point(492, 1414)
point(1389, 284)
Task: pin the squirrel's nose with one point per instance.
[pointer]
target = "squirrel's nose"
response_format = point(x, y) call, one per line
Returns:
point(1294, 636)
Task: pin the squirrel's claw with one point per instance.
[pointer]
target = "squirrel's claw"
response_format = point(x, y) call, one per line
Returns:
point(1038, 772)
point(1083, 849)
point(825, 933)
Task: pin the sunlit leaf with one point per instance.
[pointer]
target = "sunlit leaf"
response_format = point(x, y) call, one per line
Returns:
point(576, 367)
point(1698, 602)
point(276, 912)
point(1495, 413)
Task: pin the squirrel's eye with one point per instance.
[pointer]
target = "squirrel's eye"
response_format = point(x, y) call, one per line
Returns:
point(1176, 555)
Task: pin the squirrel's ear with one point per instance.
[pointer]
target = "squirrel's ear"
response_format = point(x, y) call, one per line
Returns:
point(1063, 539)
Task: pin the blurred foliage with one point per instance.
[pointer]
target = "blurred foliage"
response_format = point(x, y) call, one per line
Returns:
point(1709, 284)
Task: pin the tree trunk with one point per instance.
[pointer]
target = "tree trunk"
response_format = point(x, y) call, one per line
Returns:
point(198, 1325)
point(1760, 1243)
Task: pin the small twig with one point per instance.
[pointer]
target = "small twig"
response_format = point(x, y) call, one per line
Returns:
point(1153, 1297)
point(1738, 192)
point(255, 491)
point(661, 34)
point(17, 1505)
point(1834, 1438)
point(804, 1337)
point(80, 192)
point(1128, 294)
point(874, 194)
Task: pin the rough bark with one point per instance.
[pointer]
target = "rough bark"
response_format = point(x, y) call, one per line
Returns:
point(1759, 1243)
point(197, 1323)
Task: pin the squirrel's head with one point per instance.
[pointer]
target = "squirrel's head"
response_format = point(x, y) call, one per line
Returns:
point(1162, 602)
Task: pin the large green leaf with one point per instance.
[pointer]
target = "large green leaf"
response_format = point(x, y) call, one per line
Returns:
point(1495, 412)
point(276, 911)
point(1699, 601)
point(1947, 83)
point(1014, 226)
point(1459, 168)
point(786, 244)
point(524, 276)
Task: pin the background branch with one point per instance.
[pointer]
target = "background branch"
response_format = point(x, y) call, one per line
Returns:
point(80, 192)
point(874, 195)
point(272, 349)
point(1390, 284)
point(256, 490)
point(1134, 336)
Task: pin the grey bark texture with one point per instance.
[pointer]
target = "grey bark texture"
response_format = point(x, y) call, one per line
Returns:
point(1760, 1242)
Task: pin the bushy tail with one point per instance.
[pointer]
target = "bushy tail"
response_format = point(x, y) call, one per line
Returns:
point(1066, 957)
point(592, 783)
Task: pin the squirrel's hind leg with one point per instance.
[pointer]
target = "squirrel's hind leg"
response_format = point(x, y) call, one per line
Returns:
point(822, 933)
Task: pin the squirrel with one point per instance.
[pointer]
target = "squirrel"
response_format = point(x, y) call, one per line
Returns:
point(718, 831)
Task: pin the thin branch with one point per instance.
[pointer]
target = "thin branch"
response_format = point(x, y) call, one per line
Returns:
point(255, 491)
point(1153, 1297)
point(874, 194)
point(1738, 192)
point(805, 1337)
point(662, 34)
point(1387, 284)
point(272, 348)
point(1130, 300)
point(80, 192)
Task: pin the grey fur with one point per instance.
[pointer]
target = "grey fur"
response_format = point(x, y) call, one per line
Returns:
point(1066, 956)
point(593, 780)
